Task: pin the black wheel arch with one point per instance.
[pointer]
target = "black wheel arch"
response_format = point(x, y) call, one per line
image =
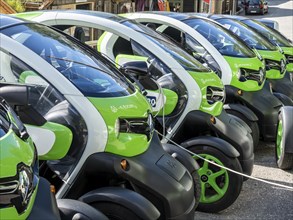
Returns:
point(214, 142)
point(124, 197)
point(286, 100)
point(248, 113)
point(182, 156)
point(74, 209)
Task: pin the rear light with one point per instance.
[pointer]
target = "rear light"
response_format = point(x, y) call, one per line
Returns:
point(261, 6)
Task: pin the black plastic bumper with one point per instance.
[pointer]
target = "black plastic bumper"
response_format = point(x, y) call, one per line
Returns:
point(284, 85)
point(45, 206)
point(264, 104)
point(154, 174)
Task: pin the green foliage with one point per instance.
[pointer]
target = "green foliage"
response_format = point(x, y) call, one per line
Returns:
point(16, 5)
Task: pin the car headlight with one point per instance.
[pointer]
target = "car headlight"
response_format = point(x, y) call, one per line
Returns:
point(271, 64)
point(239, 74)
point(117, 127)
point(248, 74)
point(137, 125)
point(277, 65)
point(289, 58)
point(215, 94)
point(283, 66)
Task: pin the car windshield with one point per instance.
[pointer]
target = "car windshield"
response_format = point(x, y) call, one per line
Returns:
point(273, 35)
point(88, 71)
point(253, 2)
point(183, 58)
point(220, 38)
point(249, 36)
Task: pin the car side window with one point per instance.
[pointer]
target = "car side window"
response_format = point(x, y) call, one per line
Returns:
point(42, 96)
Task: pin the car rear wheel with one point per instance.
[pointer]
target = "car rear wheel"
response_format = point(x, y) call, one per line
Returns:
point(219, 187)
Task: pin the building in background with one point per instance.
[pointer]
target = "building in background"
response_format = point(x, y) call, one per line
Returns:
point(124, 6)
point(5, 8)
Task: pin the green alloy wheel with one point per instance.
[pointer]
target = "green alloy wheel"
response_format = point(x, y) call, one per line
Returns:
point(219, 187)
point(284, 160)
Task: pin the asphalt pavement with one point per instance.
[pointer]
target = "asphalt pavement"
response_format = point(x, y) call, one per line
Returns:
point(259, 200)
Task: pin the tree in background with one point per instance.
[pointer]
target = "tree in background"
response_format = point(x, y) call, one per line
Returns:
point(17, 5)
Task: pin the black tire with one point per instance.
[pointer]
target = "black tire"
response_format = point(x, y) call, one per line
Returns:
point(115, 211)
point(231, 183)
point(197, 186)
point(252, 124)
point(284, 160)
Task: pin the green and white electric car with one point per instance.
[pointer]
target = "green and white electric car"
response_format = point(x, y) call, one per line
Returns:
point(92, 128)
point(274, 37)
point(194, 97)
point(244, 73)
point(24, 194)
point(275, 60)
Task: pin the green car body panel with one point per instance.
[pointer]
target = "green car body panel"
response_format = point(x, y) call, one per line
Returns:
point(289, 52)
point(133, 106)
point(204, 80)
point(14, 151)
point(28, 16)
point(170, 103)
point(62, 143)
point(276, 56)
point(247, 63)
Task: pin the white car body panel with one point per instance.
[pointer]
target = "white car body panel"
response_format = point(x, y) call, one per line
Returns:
point(165, 20)
point(77, 18)
point(44, 139)
point(97, 135)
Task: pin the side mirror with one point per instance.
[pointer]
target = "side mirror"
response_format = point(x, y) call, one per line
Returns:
point(138, 71)
point(15, 95)
point(20, 97)
point(135, 68)
point(198, 57)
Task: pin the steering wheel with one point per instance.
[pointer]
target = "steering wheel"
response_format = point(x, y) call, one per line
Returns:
point(67, 72)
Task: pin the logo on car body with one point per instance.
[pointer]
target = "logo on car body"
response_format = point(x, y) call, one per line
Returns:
point(152, 100)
